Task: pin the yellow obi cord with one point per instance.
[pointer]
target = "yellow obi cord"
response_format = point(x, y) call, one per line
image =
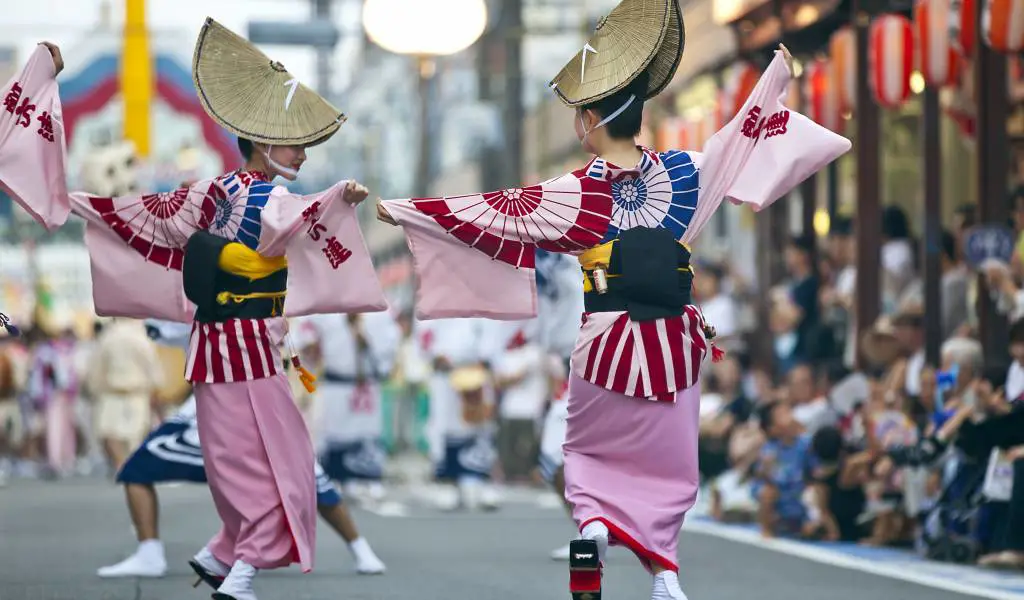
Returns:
point(239, 259)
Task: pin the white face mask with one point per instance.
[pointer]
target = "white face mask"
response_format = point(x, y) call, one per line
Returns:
point(282, 170)
point(605, 120)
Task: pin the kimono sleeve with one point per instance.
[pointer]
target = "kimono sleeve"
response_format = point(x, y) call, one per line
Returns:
point(474, 254)
point(136, 249)
point(32, 148)
point(329, 266)
point(763, 153)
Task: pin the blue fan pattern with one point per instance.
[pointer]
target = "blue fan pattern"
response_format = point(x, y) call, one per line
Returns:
point(665, 194)
point(239, 216)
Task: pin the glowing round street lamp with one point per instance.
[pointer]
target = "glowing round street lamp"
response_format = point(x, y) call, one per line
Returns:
point(424, 27)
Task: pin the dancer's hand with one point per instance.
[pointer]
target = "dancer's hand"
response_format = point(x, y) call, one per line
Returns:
point(355, 193)
point(788, 58)
point(58, 60)
point(383, 215)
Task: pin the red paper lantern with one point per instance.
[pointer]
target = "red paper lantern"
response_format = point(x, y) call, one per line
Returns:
point(739, 82)
point(1003, 25)
point(843, 58)
point(891, 59)
point(939, 62)
point(963, 26)
point(822, 95)
point(671, 135)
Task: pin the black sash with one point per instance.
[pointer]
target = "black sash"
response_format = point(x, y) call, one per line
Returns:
point(651, 283)
point(204, 280)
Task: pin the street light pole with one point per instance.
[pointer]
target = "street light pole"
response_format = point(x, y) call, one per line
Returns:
point(322, 12)
point(426, 67)
point(512, 25)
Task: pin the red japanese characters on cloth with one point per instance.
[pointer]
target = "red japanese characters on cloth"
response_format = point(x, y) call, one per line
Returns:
point(312, 216)
point(938, 61)
point(822, 95)
point(32, 147)
point(843, 59)
point(1002, 25)
point(891, 59)
point(739, 80)
point(963, 26)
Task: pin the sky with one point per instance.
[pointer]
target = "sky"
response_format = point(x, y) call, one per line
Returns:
point(65, 21)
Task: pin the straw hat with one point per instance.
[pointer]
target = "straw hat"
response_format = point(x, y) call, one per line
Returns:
point(254, 97)
point(468, 379)
point(636, 35)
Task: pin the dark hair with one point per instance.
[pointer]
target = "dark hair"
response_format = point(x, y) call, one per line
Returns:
point(948, 245)
point(995, 375)
point(969, 212)
point(841, 226)
point(1017, 331)
point(894, 223)
point(245, 147)
point(804, 243)
point(766, 415)
point(627, 124)
point(827, 444)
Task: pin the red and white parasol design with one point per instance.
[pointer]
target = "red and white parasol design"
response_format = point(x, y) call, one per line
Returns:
point(1002, 24)
point(843, 58)
point(891, 59)
point(938, 61)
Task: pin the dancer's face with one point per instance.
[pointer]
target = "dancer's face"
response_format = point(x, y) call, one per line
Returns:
point(289, 156)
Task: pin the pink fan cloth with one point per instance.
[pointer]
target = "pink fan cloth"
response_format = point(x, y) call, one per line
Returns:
point(32, 149)
point(763, 153)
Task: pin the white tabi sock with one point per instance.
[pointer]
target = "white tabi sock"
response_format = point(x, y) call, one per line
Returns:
point(597, 531)
point(151, 550)
point(209, 562)
point(666, 587)
point(366, 559)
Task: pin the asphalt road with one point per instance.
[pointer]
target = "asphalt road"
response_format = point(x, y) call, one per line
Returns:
point(53, 537)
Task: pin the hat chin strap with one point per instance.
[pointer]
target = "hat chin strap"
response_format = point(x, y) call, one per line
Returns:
point(281, 169)
point(607, 119)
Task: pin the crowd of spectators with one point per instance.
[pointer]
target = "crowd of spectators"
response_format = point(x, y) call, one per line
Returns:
point(820, 445)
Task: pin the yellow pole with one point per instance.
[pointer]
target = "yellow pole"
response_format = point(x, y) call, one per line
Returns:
point(136, 76)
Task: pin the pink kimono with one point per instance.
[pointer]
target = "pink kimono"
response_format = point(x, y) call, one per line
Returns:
point(256, 448)
point(631, 444)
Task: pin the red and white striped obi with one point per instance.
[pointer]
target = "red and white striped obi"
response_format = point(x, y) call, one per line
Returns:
point(234, 350)
point(647, 359)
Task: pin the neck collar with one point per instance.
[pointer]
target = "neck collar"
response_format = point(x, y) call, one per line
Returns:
point(600, 168)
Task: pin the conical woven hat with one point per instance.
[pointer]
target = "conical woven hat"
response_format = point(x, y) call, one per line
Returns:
point(254, 97)
point(636, 35)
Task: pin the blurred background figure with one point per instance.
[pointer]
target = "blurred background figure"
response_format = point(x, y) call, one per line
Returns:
point(124, 375)
point(355, 354)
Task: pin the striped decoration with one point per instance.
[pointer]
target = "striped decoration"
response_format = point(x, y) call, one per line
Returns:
point(843, 55)
point(1002, 24)
point(821, 95)
point(963, 27)
point(891, 59)
point(937, 60)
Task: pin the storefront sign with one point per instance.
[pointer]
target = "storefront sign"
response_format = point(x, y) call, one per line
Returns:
point(989, 242)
